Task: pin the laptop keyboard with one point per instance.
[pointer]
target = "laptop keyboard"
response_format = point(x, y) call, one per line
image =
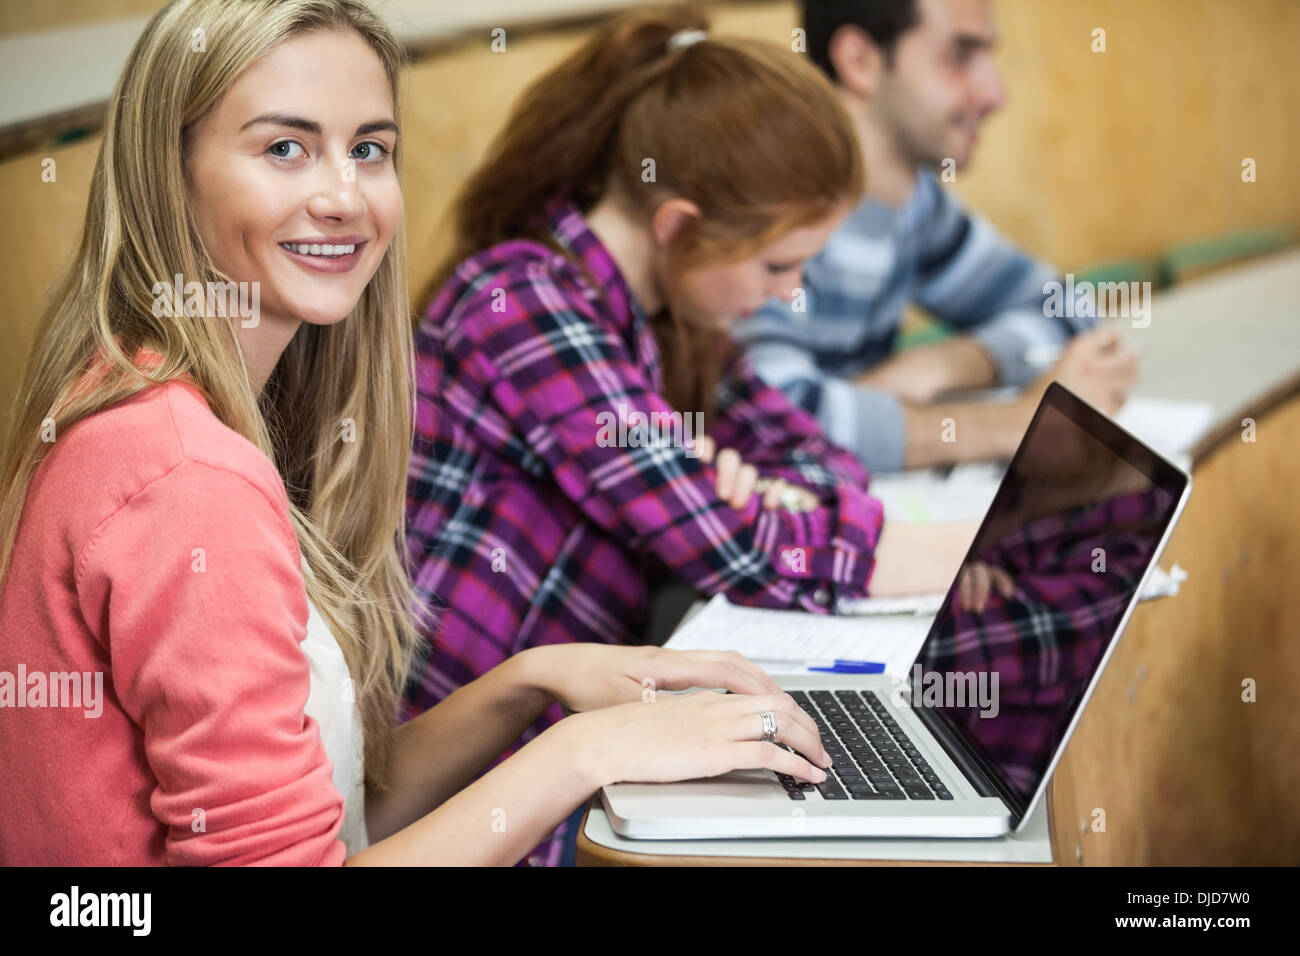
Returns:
point(874, 759)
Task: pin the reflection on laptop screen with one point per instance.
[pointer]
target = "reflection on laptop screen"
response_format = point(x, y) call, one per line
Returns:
point(1055, 564)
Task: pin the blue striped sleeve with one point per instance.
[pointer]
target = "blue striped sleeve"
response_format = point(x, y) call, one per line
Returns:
point(971, 278)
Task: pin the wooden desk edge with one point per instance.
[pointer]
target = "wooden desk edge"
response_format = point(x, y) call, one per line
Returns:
point(1259, 406)
point(591, 853)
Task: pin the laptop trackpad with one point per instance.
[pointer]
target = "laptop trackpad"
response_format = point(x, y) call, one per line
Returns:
point(738, 784)
point(741, 780)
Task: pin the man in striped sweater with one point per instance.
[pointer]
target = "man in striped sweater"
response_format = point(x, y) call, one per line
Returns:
point(918, 79)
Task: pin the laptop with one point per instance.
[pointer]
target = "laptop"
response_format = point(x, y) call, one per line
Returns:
point(965, 744)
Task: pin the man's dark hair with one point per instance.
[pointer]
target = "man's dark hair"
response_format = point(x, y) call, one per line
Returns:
point(883, 20)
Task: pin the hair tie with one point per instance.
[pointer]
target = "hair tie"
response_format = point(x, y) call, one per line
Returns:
point(685, 38)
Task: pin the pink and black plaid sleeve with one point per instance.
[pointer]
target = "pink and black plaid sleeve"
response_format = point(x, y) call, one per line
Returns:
point(519, 360)
point(526, 525)
point(550, 368)
point(779, 437)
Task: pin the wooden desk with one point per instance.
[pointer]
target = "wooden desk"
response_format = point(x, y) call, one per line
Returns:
point(1184, 771)
point(599, 845)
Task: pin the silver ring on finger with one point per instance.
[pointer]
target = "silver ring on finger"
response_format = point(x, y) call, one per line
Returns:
point(769, 726)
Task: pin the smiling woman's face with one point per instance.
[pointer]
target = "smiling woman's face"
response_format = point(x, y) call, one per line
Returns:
point(291, 179)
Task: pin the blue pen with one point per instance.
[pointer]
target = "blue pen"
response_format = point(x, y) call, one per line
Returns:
point(850, 667)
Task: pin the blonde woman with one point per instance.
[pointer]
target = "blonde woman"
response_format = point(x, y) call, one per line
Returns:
point(203, 508)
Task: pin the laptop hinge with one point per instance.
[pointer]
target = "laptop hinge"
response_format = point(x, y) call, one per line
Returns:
point(970, 764)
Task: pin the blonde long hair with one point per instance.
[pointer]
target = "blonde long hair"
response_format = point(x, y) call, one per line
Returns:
point(346, 498)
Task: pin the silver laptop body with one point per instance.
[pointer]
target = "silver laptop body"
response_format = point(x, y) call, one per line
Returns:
point(977, 780)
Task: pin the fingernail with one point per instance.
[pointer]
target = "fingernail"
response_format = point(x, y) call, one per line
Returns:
point(818, 775)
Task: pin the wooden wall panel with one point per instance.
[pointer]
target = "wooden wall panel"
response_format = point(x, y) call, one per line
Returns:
point(17, 16)
point(47, 219)
point(1103, 155)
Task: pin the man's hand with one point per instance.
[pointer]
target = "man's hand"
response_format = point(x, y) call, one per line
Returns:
point(1096, 366)
point(920, 375)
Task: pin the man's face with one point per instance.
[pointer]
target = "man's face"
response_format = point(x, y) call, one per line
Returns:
point(943, 82)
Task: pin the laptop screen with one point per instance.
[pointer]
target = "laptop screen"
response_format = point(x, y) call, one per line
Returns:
point(1060, 555)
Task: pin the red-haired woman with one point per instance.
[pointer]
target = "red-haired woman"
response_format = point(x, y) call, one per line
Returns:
point(645, 193)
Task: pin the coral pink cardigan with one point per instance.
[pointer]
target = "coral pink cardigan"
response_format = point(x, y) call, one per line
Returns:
point(155, 548)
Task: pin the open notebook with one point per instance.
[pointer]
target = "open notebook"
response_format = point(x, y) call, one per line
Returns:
point(781, 642)
point(887, 630)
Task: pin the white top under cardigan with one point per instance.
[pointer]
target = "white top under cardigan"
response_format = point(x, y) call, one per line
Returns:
point(331, 702)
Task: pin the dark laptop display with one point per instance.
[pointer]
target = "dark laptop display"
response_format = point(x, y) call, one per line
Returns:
point(1044, 586)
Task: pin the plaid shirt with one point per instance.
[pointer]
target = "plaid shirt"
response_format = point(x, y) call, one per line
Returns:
point(929, 251)
point(524, 528)
point(1045, 640)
